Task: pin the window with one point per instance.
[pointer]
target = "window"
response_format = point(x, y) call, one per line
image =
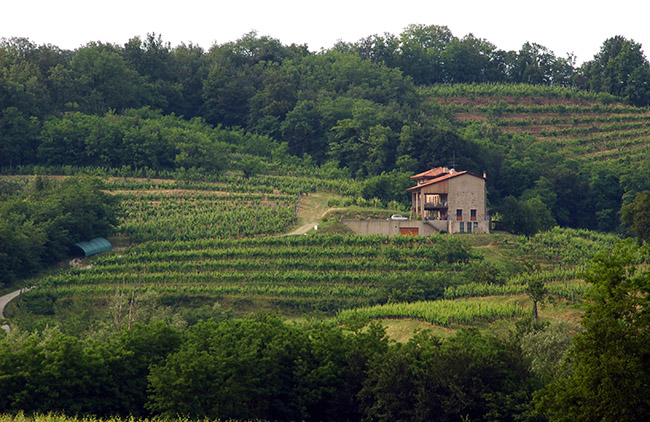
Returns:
point(462, 227)
point(469, 227)
point(475, 226)
point(459, 215)
point(472, 214)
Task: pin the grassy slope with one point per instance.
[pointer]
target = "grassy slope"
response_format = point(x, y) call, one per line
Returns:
point(311, 210)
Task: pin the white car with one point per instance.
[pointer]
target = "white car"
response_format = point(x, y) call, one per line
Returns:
point(398, 217)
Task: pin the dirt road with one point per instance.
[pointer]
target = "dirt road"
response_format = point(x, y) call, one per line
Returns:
point(4, 300)
point(311, 209)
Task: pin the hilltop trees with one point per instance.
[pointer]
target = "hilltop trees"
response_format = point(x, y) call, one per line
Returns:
point(472, 59)
point(420, 51)
point(103, 79)
point(431, 54)
point(537, 65)
point(356, 104)
point(232, 82)
point(620, 68)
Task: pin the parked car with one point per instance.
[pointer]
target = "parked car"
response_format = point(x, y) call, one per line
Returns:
point(398, 217)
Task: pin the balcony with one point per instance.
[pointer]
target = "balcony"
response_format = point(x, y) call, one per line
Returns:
point(436, 205)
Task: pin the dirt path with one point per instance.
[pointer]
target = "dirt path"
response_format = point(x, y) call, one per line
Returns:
point(312, 223)
point(311, 209)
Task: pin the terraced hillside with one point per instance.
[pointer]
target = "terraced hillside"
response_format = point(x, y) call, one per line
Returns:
point(195, 251)
point(585, 126)
point(235, 207)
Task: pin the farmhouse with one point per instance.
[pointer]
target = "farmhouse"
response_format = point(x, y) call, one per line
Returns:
point(450, 200)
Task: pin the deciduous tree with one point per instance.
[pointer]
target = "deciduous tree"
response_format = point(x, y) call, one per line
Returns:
point(636, 216)
point(609, 360)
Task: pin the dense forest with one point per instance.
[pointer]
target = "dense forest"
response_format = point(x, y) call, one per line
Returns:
point(359, 110)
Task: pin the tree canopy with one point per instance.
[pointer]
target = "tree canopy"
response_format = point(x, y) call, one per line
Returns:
point(609, 360)
point(636, 216)
point(40, 223)
point(262, 368)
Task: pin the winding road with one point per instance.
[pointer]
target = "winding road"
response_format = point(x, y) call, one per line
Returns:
point(4, 300)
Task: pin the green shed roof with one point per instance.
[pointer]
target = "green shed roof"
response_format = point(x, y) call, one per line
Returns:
point(97, 245)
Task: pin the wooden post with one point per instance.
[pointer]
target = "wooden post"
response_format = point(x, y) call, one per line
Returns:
point(421, 204)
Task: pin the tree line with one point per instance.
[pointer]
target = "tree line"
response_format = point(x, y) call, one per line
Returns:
point(263, 368)
point(355, 103)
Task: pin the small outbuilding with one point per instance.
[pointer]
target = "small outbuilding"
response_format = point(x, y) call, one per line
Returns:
point(92, 247)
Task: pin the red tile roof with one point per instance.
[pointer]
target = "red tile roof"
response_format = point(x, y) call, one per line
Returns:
point(438, 180)
point(431, 173)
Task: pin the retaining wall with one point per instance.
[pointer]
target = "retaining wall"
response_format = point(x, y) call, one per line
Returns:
point(389, 227)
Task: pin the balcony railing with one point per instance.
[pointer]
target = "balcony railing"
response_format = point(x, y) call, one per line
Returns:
point(438, 205)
